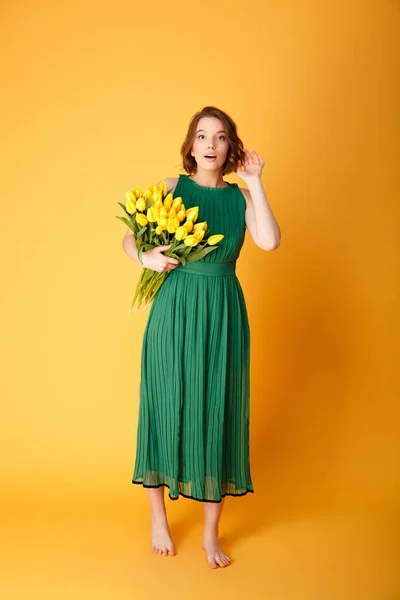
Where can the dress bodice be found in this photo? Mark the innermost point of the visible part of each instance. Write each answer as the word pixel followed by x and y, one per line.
pixel 224 210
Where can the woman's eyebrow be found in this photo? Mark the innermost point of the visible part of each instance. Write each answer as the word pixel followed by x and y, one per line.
pixel 220 131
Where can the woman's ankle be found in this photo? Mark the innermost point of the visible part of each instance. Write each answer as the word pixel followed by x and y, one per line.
pixel 210 532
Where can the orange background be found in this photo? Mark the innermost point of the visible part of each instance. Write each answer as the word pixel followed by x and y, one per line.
pixel 96 98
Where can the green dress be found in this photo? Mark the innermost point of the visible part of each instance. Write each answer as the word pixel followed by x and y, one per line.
pixel 193 425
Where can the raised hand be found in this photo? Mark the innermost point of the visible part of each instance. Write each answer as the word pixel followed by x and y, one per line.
pixel 252 166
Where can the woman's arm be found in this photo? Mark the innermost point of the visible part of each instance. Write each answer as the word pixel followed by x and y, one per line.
pixel 260 220
pixel 129 246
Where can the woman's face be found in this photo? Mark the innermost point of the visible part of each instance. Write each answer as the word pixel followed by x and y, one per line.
pixel 210 139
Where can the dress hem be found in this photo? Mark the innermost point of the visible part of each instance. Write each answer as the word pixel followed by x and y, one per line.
pixel 249 491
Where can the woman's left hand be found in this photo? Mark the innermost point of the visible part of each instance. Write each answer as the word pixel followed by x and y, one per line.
pixel 252 166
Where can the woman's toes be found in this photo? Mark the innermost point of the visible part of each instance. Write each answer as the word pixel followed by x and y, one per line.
pixel 224 560
pixel 219 560
pixel 212 563
pixel 163 550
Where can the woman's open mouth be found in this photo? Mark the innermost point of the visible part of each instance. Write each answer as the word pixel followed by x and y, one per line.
pixel 210 157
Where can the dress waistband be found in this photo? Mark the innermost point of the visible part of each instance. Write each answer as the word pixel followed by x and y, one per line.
pixel 208 268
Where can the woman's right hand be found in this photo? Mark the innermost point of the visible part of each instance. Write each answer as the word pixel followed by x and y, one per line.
pixel 155 260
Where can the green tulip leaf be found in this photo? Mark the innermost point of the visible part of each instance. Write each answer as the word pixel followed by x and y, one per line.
pixel 195 256
pixel 127 222
pixel 141 231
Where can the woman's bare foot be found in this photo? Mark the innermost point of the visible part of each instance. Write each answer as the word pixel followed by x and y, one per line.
pixel 215 555
pixel 161 540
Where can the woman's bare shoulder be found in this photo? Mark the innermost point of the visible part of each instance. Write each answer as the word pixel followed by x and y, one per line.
pixel 170 182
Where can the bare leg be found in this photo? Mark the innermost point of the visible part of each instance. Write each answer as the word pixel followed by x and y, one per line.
pixel 161 538
pixel 215 555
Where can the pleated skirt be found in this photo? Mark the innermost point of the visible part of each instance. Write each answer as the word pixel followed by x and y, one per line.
pixel 194 413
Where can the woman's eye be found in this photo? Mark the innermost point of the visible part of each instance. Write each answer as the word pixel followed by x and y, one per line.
pixel 201 135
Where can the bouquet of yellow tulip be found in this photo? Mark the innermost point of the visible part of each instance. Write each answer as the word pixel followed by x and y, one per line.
pixel 157 219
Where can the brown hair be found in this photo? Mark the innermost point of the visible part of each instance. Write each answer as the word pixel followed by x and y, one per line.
pixel 235 152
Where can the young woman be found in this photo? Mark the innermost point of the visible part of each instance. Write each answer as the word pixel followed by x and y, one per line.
pixel 193 427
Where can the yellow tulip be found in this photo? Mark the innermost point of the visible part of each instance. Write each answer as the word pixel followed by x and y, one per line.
pixel 171 226
pixel 158 204
pixel 177 203
pixel 148 193
pixel 163 212
pixel 159 230
pixel 191 240
pixel 176 222
pixel 199 234
pixel 141 219
pixel 130 207
pixel 130 195
pixel 181 215
pixel 168 202
pixel 156 196
pixel 151 215
pixel 172 212
pixel 141 204
pixel 189 225
pixel 202 225
pixel 162 186
pixel 162 221
pixel 181 233
pixel 138 192
pixel 214 239
pixel 192 213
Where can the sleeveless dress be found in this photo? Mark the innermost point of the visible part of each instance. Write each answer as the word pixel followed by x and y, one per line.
pixel 193 424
